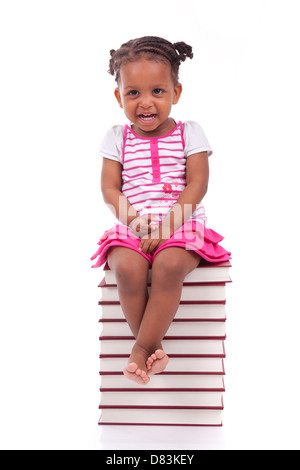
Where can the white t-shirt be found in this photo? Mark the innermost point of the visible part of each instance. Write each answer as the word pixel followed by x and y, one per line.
pixel 195 141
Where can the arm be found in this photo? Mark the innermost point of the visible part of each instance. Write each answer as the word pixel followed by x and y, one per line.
pixel 111 185
pixel 197 175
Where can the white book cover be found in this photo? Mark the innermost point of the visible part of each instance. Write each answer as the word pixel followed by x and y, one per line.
pixel 160 398
pixel 166 416
pixel 203 273
pixel 165 382
pixel 177 328
pixel 171 346
pixel 189 293
pixel 191 311
pixel 211 365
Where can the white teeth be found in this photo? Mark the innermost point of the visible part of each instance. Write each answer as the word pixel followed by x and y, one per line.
pixel 147 117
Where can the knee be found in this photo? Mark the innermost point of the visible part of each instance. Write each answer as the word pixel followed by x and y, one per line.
pixel 168 269
pixel 131 275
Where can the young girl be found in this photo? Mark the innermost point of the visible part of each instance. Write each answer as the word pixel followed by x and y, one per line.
pixel 154 177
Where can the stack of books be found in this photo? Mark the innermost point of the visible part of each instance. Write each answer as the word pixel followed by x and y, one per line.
pixel 190 391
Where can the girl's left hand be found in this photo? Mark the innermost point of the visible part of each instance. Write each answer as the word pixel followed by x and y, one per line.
pixel 152 241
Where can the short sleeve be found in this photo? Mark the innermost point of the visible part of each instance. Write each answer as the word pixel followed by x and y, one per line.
pixel 195 140
pixel 111 146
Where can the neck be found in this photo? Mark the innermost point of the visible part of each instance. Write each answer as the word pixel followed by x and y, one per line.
pixel 164 129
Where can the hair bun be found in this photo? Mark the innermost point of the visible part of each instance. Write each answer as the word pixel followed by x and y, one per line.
pixel 184 50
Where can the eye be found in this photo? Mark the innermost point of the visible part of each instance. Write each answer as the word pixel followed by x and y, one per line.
pixel 157 91
pixel 133 93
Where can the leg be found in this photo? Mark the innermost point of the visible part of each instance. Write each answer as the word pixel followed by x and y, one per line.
pixel 131 271
pixel 169 270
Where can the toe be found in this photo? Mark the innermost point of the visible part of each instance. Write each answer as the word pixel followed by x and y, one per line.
pixel 160 353
pixel 145 377
pixel 131 367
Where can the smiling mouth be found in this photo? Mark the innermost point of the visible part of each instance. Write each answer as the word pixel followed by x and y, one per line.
pixel 147 117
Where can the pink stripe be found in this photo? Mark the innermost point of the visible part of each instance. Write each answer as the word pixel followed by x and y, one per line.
pixel 139 150
pixel 143 192
pixel 173 158
pixel 167 207
pixel 169 150
pixel 132 138
pixel 155 161
pixel 135 167
pixel 181 134
pixel 134 187
pixel 150 166
pixel 156 213
pixel 134 145
pixel 123 150
pixel 135 176
pixel 173 177
pixel 154 199
pixel 151 192
pixel 167 172
pixel 173 164
pixel 170 141
pixel 178 126
pixel 150 184
pixel 138 159
pixel 143 157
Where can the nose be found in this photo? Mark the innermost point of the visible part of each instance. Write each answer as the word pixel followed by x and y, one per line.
pixel 146 101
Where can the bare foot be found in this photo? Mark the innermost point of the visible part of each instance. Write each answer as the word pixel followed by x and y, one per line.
pixel 136 367
pixel 157 362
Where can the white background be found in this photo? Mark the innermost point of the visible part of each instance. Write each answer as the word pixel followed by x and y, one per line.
pixel 56 102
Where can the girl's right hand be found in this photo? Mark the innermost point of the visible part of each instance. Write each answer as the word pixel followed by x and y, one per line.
pixel 143 225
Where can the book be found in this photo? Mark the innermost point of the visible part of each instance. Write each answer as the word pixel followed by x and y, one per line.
pixel 166 416
pixel 205 272
pixel 186 400
pixel 175 382
pixel 179 365
pixel 189 392
pixel 196 292
pixel 114 346
pixel 212 311
pixel 181 328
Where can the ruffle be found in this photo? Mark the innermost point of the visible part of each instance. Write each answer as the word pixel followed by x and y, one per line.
pixel 193 235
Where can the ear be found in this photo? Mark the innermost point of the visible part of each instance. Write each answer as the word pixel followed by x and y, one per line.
pixel 177 93
pixel 118 96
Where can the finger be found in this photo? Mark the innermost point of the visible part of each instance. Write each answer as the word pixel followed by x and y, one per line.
pixel 150 246
pixel 147 223
pixel 143 246
pixel 153 246
pixel 144 226
pixel 154 219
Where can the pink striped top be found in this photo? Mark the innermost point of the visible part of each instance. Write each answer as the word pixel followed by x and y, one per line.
pixel 154 168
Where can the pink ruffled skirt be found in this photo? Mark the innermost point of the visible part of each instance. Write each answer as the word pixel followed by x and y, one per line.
pixel 193 235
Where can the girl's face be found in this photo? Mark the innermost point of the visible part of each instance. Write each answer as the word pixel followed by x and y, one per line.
pixel 147 92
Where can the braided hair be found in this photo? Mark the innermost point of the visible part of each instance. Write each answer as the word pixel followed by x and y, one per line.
pixel 153 48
